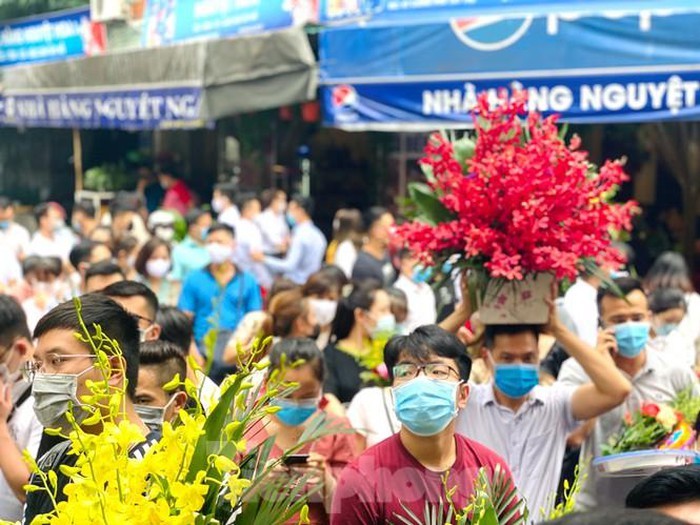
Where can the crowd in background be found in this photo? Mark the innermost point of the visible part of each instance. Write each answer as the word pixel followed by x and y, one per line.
pixel 208 281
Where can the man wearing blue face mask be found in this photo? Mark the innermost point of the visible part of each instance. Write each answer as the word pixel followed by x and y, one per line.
pixel 654 377
pixel 411 470
pixel 526 423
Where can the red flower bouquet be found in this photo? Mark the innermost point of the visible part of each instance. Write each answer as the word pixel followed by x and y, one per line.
pixel 516 200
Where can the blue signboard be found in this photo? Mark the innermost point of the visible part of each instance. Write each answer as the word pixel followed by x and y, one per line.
pixel 390 12
pixel 42 39
pixel 118 109
pixel 169 21
pixel 610 67
pixel 582 99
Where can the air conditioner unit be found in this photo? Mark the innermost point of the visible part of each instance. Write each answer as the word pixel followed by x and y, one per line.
pixel 108 10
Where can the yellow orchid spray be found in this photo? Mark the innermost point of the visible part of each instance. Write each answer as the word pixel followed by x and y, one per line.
pixel 200 472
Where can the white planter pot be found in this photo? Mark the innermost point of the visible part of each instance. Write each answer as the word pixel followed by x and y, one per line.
pixel 517 302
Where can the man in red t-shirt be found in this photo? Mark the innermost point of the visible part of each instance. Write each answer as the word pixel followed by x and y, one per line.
pixel 429 369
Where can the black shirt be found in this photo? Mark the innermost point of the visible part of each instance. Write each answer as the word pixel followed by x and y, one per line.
pixel 38 502
pixel 343 377
pixel 367 266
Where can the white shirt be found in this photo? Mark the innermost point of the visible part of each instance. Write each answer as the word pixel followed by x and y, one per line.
pixel 17 237
pixel 421 303
pixel 660 380
pixel 26 431
pixel 249 238
pixel 60 246
pixel 274 228
pixel 230 216
pixel 677 345
pixel 371 413
pixel 10 269
pixel 580 303
pixel 532 441
pixel 345 257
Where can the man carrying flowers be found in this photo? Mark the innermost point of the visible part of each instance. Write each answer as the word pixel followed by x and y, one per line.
pixel 655 377
pixel 527 424
pixel 77 370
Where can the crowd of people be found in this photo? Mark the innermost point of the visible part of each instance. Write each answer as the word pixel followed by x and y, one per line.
pixel 452 396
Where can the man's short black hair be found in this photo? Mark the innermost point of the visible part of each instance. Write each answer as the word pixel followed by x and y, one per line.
pixel 228 190
pixel 425 342
pixel 166 357
pixel 614 516
pixel 134 289
pixel 192 216
pixel 672 486
pixel 115 322
pixel 41 210
pixel 5 202
pixel 626 285
pixel 80 253
pixel 86 207
pixel 305 203
pixel 13 321
pixel 245 198
pixel 494 330
pixel 372 215
pixel 175 327
pixel 663 299
pixel 103 268
pixel 125 201
pixel 221 227
pixel 298 349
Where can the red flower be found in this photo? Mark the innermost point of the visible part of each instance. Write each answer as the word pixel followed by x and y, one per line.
pixel 526 202
pixel 650 410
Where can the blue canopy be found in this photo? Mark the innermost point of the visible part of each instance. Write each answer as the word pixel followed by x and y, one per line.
pixel 604 66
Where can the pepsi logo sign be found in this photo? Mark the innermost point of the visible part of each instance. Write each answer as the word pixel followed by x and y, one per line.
pixel 343 96
pixel 490 33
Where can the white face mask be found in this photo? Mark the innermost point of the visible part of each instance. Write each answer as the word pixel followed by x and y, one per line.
pixel 165 233
pixel 53 396
pixel 219 253
pixel 325 310
pixel 153 417
pixel 217 205
pixel 158 268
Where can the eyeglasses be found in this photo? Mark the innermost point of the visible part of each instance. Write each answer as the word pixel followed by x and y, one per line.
pixel 31 368
pixel 406 371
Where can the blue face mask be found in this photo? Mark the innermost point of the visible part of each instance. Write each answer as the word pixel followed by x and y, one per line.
pixel 421 274
pixel 516 380
pixel 294 413
pixel 426 406
pixel 631 338
pixel 291 220
pixel 665 329
pixel 4 225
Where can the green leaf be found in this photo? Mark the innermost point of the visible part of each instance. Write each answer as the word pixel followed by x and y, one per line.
pixel 432 210
pixel 464 150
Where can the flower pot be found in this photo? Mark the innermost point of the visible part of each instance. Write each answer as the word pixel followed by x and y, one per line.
pixel 517 302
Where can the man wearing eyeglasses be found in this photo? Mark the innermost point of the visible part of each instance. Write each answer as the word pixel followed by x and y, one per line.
pixel 404 473
pixel 60 372
pixel 19 428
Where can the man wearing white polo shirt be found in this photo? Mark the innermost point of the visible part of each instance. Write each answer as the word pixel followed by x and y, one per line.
pixel 527 424
pixel 654 377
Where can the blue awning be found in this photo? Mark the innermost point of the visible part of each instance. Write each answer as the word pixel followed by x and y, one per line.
pixel 606 66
